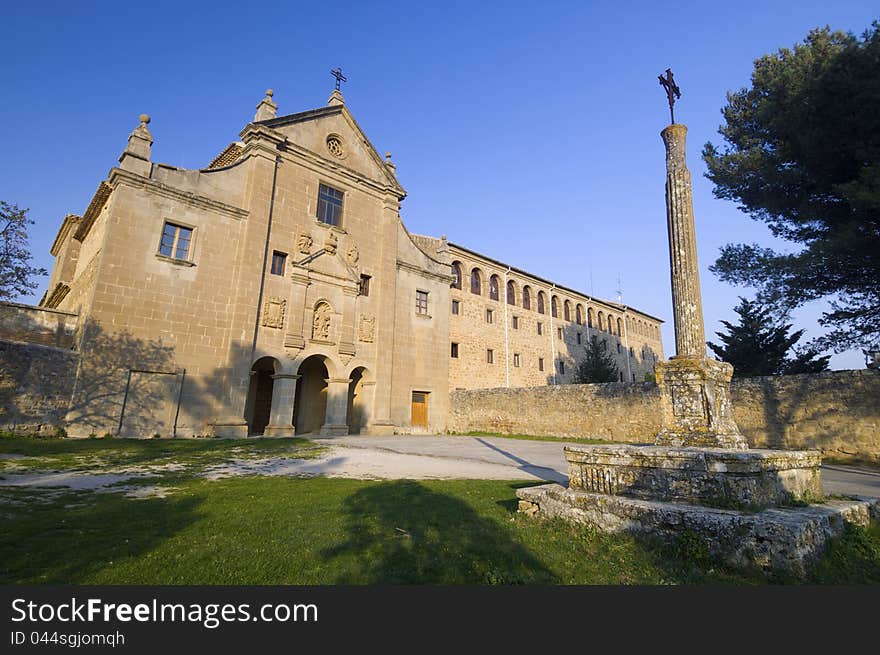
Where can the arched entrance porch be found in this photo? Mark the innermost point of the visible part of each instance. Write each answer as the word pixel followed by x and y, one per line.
pixel 258 407
pixel 360 400
pixel 310 405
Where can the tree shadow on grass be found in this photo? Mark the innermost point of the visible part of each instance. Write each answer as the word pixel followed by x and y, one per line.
pixel 402 532
pixel 79 537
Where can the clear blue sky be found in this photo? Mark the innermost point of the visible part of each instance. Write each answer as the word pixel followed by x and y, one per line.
pixel 526 131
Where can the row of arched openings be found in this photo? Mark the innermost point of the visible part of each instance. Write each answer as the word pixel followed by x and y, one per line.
pixel 599 320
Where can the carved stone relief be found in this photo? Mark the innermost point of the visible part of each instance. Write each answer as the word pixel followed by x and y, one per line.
pixel 352 256
pixel 303 244
pixel 273 312
pixel 366 328
pixel 321 322
pixel 331 243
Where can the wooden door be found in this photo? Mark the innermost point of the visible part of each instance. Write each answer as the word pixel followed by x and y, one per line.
pixel 419 409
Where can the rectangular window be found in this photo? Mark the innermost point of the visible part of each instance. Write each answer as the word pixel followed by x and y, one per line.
pixel 516 359
pixel 329 205
pixel 364 289
pixel 489 316
pixel 516 322
pixel 618 347
pixel 456 307
pixel 579 338
pixel 540 328
pixel 559 333
pixel 490 356
pixel 561 368
pixel 454 351
pixel 422 303
pixel 176 240
pixel 540 363
pixel 278 261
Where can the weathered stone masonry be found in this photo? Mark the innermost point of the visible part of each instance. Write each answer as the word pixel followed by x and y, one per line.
pixel 837 412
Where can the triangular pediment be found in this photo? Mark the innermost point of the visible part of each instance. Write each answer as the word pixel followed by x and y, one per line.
pixel 329 267
pixel 332 134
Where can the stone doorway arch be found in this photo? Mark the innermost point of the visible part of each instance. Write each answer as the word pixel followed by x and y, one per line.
pixel 258 407
pixel 310 405
pixel 360 400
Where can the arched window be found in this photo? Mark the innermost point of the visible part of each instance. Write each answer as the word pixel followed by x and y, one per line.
pixel 541 309
pixel 579 315
pixel 456 275
pixel 620 327
pixel 527 298
pixel 554 307
pixel 493 287
pixel 566 310
pixel 511 292
pixel 476 282
pixel 589 317
pixel 610 324
pixel 601 325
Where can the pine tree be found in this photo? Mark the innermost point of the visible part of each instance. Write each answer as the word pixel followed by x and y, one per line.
pixel 598 365
pixel 757 345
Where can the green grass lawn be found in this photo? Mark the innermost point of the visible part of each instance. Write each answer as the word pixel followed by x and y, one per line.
pixel 275 530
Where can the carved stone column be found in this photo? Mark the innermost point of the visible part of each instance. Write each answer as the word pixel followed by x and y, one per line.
pixel 281 414
pixel 694 389
pixel 687 302
pixel 335 420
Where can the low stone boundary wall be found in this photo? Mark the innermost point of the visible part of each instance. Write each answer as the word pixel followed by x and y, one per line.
pixel 29 324
pixel 837 412
pixel 36 383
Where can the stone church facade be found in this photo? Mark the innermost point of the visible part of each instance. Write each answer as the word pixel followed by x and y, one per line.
pixel 277 291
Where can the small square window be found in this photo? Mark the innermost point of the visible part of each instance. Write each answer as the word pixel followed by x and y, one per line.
pixel 454 350
pixel 516 322
pixel 490 356
pixel 176 240
pixel 489 316
pixel 278 261
pixel 364 289
pixel 540 328
pixel 456 307
pixel 540 363
pixel 422 303
pixel 329 205
pixel 516 359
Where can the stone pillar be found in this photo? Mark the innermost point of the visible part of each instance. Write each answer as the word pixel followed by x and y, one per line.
pixel 136 156
pixel 349 309
pixel 687 302
pixel 335 419
pixel 294 337
pixel 694 389
pixel 281 414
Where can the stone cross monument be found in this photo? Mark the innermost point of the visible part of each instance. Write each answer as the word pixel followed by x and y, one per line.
pixel 694 389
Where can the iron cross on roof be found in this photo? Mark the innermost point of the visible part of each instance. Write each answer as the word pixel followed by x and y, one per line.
pixel 672 91
pixel 340 78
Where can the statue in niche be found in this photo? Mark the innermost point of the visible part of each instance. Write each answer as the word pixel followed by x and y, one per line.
pixel 321 323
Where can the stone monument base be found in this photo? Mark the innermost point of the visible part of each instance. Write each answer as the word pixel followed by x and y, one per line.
pixel 695 402
pixel 707 476
pixel 784 538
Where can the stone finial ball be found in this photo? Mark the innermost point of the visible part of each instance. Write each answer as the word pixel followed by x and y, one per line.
pixel 144 118
pixel 270 92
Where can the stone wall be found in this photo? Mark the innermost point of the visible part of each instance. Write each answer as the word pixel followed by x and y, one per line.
pixel 36 383
pixel 49 327
pixel 837 412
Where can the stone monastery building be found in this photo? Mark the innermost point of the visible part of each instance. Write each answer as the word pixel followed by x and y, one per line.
pixel 277 291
